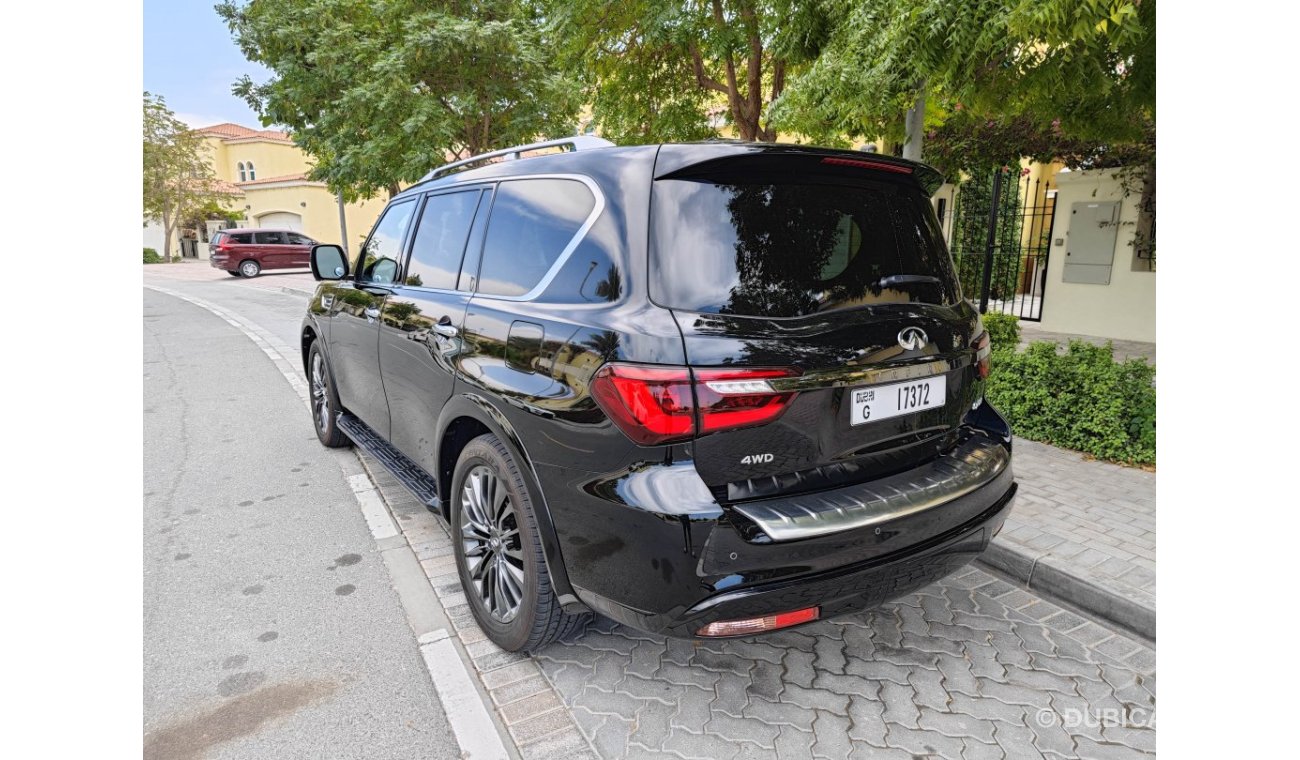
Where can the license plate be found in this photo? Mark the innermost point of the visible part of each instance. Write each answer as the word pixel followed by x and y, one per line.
pixel 881 402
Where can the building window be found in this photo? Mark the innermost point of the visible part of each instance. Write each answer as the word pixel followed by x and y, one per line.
pixel 252 175
pixel 242 178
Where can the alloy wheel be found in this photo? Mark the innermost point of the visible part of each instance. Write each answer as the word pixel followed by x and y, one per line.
pixel 489 530
pixel 320 398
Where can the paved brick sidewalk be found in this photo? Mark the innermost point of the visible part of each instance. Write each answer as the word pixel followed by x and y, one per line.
pixel 1084 531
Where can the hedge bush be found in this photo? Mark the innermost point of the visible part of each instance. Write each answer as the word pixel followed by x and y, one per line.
pixel 1004 329
pixel 151 256
pixel 1081 399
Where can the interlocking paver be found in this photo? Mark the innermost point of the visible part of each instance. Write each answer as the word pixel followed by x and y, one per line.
pixel 793 743
pixel 701 746
pixel 956 724
pixel 832 732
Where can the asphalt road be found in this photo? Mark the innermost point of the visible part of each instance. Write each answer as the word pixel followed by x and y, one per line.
pixel 271 625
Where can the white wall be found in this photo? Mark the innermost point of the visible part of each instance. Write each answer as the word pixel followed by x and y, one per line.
pixel 1126 308
pixel 153 237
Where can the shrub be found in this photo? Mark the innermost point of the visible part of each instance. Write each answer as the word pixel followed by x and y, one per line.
pixel 1081 399
pixel 151 256
pixel 1004 329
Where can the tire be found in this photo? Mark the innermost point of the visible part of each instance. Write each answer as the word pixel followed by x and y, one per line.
pixel 483 516
pixel 324 400
pixel 235 273
pixel 249 268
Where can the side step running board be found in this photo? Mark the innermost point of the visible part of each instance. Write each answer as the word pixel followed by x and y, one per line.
pixel 416 480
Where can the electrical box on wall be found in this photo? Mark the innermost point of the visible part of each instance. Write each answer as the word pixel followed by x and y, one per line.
pixel 1090 242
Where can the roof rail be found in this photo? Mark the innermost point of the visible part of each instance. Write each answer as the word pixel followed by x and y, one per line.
pixel 575 143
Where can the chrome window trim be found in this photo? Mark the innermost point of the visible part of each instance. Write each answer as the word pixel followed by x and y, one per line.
pixel 568 250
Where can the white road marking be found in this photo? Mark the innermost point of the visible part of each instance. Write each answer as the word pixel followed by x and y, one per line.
pixel 473 727
pixel 373 507
pixel 470 721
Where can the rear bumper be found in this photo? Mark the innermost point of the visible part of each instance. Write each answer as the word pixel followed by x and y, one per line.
pixel 841 591
pixel 223 262
pixel 726 570
pixel 856 587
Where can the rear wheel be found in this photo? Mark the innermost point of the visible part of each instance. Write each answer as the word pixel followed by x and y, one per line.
pixel 324 400
pixel 249 268
pixel 499 551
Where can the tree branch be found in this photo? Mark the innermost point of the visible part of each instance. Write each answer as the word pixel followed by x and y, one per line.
pixel 701 77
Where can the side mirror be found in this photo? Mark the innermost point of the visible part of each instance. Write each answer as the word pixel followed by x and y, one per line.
pixel 328 262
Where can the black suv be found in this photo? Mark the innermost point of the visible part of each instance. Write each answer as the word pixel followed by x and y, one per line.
pixel 704 389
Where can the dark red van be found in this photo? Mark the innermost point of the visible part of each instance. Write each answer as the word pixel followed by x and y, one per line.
pixel 245 252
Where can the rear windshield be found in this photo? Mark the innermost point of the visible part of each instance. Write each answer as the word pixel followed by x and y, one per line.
pixel 786 250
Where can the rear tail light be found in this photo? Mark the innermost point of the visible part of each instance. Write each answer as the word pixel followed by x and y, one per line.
pixel 983 351
pixel 746 626
pixel 655 405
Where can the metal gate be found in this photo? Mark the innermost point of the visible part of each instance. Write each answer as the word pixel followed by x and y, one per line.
pixel 1000 239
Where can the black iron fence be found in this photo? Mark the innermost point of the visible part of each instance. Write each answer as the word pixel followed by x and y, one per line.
pixel 1001 236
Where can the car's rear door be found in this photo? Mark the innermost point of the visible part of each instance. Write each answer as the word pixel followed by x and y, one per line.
pixel 419 334
pixel 836 279
pixel 272 248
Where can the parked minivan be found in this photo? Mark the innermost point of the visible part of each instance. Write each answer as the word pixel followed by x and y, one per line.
pixel 702 389
pixel 246 252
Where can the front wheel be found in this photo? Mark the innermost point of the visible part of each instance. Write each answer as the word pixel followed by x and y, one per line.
pixel 249 268
pixel 324 400
pixel 499 551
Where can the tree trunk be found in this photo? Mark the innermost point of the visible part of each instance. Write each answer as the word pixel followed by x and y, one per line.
pixel 1144 241
pixel 915 125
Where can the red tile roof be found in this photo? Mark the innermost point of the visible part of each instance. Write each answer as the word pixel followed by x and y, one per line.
pixel 229 131
pixel 222 186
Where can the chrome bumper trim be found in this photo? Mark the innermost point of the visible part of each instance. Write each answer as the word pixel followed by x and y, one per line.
pixel 971 465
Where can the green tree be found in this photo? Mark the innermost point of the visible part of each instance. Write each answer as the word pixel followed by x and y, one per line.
pixel 1088 67
pixel 381 91
pixel 178 177
pixel 653 69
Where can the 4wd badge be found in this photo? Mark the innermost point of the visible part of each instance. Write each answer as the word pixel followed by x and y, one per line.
pixel 757 459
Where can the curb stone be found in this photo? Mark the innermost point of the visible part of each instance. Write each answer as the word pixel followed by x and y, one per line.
pixel 1043 575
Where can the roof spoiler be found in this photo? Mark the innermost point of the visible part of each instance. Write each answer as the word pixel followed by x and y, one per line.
pixel 689 159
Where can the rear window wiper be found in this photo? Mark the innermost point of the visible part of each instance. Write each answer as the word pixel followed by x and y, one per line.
pixel 894 280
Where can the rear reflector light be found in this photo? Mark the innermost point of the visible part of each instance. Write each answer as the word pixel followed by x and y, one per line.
pixel 656 405
pixel 881 165
pixel 746 626
pixel 983 350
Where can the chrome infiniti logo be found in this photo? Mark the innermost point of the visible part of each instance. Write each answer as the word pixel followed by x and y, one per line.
pixel 912 338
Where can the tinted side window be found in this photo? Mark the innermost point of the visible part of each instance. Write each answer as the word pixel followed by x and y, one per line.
pixel 296 239
pixel 243 237
pixel 532 222
pixel 270 238
pixel 440 240
pixel 378 259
